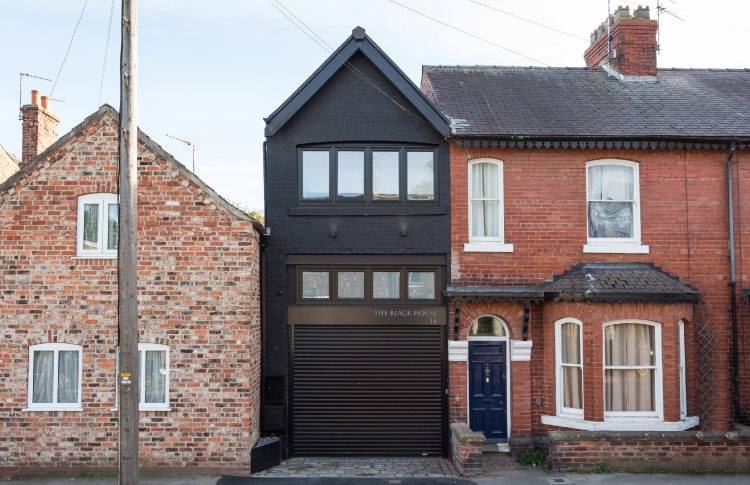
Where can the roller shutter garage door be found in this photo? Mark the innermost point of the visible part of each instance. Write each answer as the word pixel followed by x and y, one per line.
pixel 367 391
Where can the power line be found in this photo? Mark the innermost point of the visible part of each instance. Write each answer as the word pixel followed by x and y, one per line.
pixel 343 61
pixel 469 34
pixel 531 21
pixel 711 21
pixel 106 48
pixel 69 45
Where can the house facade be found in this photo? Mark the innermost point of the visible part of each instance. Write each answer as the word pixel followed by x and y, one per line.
pixel 596 268
pixel 357 262
pixel 199 307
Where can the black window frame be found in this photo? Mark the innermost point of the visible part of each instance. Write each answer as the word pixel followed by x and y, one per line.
pixel 367 200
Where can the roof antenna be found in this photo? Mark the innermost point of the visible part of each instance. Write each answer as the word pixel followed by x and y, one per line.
pixel 20 92
pixel 192 144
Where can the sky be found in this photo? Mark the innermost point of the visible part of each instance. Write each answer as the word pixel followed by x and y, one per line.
pixel 213 69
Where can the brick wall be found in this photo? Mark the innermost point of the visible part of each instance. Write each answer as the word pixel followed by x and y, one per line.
pixel 634 45
pixel 683 206
pixel 466 450
pixel 198 294
pixel 634 450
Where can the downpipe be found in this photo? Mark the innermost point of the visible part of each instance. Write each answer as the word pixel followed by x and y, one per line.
pixel 733 286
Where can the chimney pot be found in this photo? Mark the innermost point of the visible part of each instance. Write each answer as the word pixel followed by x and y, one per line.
pixel 45 102
pixel 35 97
pixel 622 13
pixel 642 13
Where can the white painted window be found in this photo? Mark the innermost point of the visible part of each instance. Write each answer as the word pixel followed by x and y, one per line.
pixel 55 377
pixel 486 208
pixel 683 382
pixel 98 226
pixel 569 365
pixel 613 207
pixel 632 370
pixel 153 369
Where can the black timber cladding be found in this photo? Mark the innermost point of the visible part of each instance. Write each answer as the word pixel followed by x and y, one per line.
pixel 345 109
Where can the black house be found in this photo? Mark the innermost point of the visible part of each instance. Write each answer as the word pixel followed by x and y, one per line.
pixel 357 201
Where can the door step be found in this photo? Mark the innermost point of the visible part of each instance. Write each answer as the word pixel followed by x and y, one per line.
pixel 496 448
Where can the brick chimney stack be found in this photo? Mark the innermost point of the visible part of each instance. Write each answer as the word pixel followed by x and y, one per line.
pixel 39 127
pixel 632 40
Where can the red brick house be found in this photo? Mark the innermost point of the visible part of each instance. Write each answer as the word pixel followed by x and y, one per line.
pixel 199 299
pixel 592 246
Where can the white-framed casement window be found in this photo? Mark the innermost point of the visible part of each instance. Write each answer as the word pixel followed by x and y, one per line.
pixel 486 211
pixel 98 226
pixel 153 369
pixel 613 214
pixel 683 382
pixel 632 370
pixel 569 360
pixel 55 377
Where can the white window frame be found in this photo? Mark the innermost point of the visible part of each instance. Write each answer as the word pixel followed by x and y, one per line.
pixel 483 243
pixel 104 200
pixel 490 338
pixel 561 409
pixel 658 412
pixel 683 382
pixel 144 406
pixel 54 406
pixel 617 245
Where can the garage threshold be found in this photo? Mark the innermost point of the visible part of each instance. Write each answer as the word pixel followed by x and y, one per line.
pixel 362 467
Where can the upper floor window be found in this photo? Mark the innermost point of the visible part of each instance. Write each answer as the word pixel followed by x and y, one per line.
pixel 569 357
pixel 54 377
pixel 98 226
pixel 369 175
pixel 632 370
pixel 486 212
pixel 612 207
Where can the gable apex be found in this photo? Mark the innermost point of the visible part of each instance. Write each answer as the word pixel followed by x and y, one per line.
pixel 359 41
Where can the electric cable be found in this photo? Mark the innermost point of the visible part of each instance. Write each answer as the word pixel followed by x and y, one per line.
pixel 469 34
pixel 106 48
pixel 69 46
pixel 710 21
pixel 530 21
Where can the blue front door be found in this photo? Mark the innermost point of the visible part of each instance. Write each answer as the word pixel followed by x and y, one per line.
pixel 488 403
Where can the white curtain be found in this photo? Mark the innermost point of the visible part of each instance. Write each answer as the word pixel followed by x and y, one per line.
pixel 156 374
pixel 485 214
pixel 572 374
pixel 43 376
pixel 67 376
pixel 632 345
pixel 611 219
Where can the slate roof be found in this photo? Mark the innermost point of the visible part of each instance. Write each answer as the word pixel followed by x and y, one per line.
pixel 569 103
pixel 637 282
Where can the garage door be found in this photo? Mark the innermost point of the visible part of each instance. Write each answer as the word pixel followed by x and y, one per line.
pixel 367 391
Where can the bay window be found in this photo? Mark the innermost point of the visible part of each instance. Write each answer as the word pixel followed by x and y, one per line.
pixel 569 358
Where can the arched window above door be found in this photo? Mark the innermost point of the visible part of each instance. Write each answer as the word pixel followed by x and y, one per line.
pixel 487 326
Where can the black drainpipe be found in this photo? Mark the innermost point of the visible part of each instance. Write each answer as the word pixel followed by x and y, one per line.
pixel 263 244
pixel 733 286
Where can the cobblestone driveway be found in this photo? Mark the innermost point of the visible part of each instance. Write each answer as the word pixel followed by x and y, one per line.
pixel 362 467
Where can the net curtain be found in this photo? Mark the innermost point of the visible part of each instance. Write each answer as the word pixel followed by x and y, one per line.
pixel 611 183
pixel 485 203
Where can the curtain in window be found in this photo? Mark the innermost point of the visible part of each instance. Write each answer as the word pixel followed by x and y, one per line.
pixel 67 376
pixel 631 345
pixel 570 337
pixel 43 376
pixel 90 226
pixel 156 375
pixel 611 219
pixel 485 214
pixel 113 229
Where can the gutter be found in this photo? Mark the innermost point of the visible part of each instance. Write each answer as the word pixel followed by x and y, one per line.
pixel 733 286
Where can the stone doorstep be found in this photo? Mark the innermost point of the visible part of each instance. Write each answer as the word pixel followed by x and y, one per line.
pixel 501 448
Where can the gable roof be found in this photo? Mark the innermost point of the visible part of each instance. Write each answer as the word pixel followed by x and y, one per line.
pixel 357 42
pixel 147 142
pixel 12 157
pixel 586 103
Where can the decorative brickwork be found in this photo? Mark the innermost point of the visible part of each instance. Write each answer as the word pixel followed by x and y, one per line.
pixel 198 293
pixel 466 450
pixel 688 450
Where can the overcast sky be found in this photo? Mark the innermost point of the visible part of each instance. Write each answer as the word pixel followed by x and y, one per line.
pixel 214 68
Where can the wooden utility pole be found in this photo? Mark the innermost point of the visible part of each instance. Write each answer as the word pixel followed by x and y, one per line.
pixel 127 264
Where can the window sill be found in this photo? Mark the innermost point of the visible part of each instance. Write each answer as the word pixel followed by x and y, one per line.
pixel 98 256
pixel 51 408
pixel 488 247
pixel 145 409
pixel 622 424
pixel 406 210
pixel 615 248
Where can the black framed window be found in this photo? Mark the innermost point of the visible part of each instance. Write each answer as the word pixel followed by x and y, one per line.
pixel 316 285
pixel 368 175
